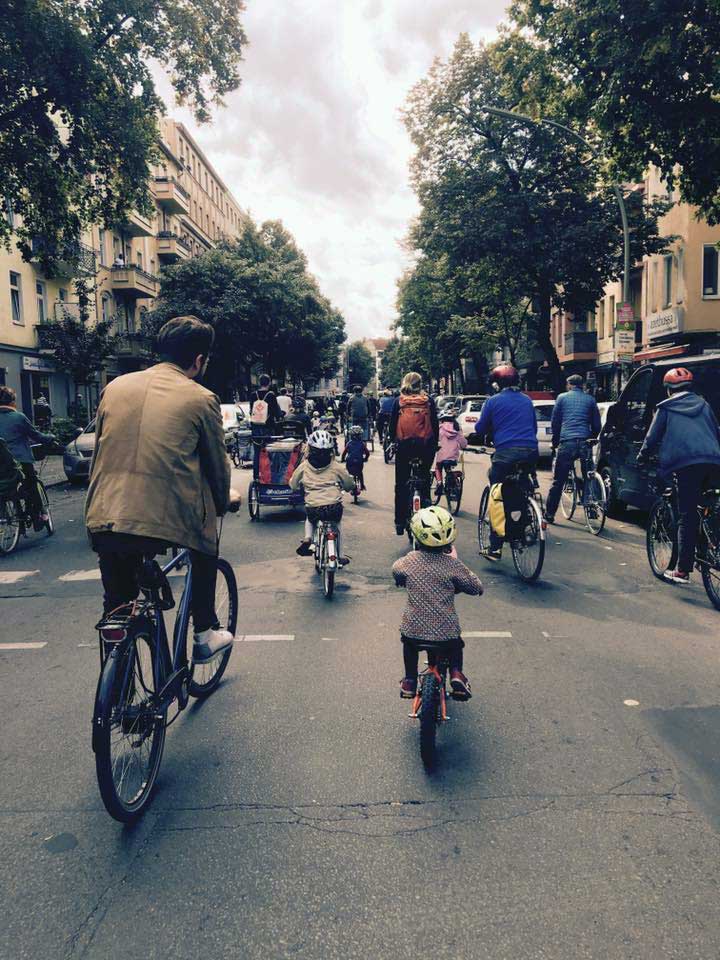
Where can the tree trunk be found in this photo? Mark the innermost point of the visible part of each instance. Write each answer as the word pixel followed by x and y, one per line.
pixel 545 342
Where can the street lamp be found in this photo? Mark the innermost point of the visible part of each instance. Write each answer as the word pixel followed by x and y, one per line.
pixel 530 121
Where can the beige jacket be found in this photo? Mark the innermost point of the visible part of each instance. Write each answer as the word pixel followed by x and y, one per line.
pixel 160 468
pixel 322 487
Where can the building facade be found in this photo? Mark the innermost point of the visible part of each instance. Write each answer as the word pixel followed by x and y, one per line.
pixel 192 211
pixel 376 346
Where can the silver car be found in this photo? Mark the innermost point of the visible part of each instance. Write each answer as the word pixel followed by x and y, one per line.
pixel 77 455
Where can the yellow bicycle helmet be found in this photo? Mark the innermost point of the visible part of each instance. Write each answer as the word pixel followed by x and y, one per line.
pixel 433 527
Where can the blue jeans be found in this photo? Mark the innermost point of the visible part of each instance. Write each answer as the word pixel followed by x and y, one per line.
pixel 567 453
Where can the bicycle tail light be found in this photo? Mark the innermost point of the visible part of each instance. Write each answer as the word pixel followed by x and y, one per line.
pixel 416 503
pixel 113 634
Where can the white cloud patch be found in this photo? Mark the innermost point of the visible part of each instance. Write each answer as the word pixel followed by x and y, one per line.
pixel 314 137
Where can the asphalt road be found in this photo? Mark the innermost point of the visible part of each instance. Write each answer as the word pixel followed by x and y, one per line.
pixel 574 812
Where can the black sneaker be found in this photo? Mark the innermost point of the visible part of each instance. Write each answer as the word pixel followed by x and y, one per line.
pixel 304 550
pixel 399 529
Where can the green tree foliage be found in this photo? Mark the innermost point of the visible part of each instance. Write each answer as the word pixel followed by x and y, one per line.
pixel 361 365
pixel 80 347
pixel 400 357
pixel 78 107
pixel 265 306
pixel 646 77
pixel 514 215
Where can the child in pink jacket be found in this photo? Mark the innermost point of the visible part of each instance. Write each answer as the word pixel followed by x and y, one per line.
pixel 450 442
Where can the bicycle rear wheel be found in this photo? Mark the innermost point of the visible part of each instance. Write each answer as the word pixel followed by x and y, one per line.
pixel 484 522
pixel 128 730
pixel 429 707
pixel 528 553
pixel 661 538
pixel 568 497
pixel 49 523
pixel 455 493
pixel 9 526
pixel 235 454
pixel 206 676
pixel 595 503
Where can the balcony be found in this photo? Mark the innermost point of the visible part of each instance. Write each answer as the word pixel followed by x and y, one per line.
pixel 170 195
pixel 133 346
pixel 134 282
pixel 45 344
pixel 74 259
pixel 171 248
pixel 137 225
pixel 581 345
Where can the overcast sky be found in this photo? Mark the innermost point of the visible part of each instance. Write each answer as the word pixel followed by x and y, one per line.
pixel 314 138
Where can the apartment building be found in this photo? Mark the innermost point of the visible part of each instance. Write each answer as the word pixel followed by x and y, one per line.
pixel 376 346
pixel 675 298
pixel 192 211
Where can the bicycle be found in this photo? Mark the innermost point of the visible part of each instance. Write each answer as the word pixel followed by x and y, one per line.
pixel 528 549
pixel 588 489
pixel 661 538
pixel 324 546
pixel 16 518
pixel 417 483
pixel 141 677
pixel 357 489
pixel 239 452
pixel 389 448
pixel 430 703
pixel 451 485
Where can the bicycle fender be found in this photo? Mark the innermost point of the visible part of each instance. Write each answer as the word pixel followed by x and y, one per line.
pixel 105 684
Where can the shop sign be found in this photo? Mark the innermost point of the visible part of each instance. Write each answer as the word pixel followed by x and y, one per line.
pixel 625 313
pixel 664 323
pixel 607 356
pixel 625 339
pixel 37 365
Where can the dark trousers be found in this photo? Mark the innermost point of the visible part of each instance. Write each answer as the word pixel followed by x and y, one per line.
pixel 567 453
pixel 260 433
pixel 503 463
pixel 30 490
pixel 408 450
pixel 381 422
pixel 411 655
pixel 120 567
pixel 691 482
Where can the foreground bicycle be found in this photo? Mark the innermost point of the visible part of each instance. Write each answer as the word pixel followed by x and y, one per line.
pixel 430 703
pixel 142 676
pixel 324 546
pixel 662 538
pixel 587 489
pixel 528 549
pixel 16 519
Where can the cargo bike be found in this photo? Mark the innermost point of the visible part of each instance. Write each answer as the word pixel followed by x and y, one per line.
pixel 277 457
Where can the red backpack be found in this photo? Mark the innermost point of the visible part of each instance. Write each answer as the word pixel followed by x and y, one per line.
pixel 414 419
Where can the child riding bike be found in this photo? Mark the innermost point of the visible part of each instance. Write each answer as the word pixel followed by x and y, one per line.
pixel 432 575
pixel 323 480
pixel 356 454
pixel 450 442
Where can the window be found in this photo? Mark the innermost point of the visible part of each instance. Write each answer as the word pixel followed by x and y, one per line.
pixel 654 288
pixel 600 319
pixel 105 306
pixel 680 291
pixel 40 295
pixel 9 214
pixel 667 285
pixel 710 270
pixel 635 412
pixel 610 317
pixel 62 295
pixel 544 412
pixel 139 257
pixel 16 298
pixel 101 244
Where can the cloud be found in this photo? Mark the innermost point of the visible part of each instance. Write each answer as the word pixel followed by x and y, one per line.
pixel 314 137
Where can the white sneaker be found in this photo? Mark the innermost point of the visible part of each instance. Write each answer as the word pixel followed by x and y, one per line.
pixel 674 576
pixel 210 643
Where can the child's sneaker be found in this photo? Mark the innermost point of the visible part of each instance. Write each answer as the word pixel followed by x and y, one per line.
pixel 460 685
pixel 408 688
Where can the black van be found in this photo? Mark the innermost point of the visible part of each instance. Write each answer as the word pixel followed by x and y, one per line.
pixel 628 421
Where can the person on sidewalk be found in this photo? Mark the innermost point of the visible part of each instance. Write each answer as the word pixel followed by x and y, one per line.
pixel 509 419
pixel 160 476
pixel 19 433
pixel 575 420
pixel 685 431
pixel 414 428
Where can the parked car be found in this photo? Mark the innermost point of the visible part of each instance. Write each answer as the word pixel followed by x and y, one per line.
pixel 629 418
pixel 445 400
pixel 469 415
pixel 77 455
pixel 543 413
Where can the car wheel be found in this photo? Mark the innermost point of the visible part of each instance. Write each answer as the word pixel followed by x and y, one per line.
pixel 615 506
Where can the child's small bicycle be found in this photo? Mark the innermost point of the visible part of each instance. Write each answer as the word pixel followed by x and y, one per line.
pixel 324 547
pixel 430 703
pixel 357 489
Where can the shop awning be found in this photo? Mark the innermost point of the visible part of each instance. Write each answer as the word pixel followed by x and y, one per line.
pixel 658 353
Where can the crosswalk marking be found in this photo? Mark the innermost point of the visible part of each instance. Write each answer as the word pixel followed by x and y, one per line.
pixel 500 634
pixel 77 576
pixel 22 646
pixel 260 637
pixel 14 576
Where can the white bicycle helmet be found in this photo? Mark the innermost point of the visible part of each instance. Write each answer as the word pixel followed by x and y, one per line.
pixel 321 440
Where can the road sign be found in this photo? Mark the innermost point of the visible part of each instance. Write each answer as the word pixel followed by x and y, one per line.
pixel 625 313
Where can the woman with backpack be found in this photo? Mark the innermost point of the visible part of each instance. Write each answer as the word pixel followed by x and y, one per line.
pixel 414 428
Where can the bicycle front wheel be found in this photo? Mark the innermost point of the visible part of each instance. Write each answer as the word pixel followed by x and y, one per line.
pixel 528 552
pixel 484 522
pixel 568 497
pixel 9 526
pixel 661 538
pixel 206 676
pixel 128 730
pixel 595 503
pixel 429 707
pixel 49 523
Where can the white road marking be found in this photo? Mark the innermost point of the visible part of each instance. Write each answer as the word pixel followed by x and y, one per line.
pixel 77 576
pixel 609 548
pixel 487 633
pixel 554 636
pixel 260 637
pixel 22 646
pixel 13 576
pixel 631 703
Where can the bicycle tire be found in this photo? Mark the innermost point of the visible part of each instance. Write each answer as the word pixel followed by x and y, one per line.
pixel 9 526
pixel 328 575
pixel 661 538
pixel 595 505
pixel 457 497
pixel 484 522
pixel 235 455
pixel 118 681
pixel 49 523
pixel 429 706
pixel 711 582
pixel 531 571
pixel 205 677
pixel 254 500
pixel 437 496
pixel 568 497
pixel 388 453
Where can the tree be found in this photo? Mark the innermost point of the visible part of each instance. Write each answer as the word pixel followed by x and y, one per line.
pixel 78 107
pixel 524 203
pixel 646 77
pixel 361 366
pixel 400 357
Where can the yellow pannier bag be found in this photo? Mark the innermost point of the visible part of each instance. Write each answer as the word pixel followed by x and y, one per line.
pixel 496 509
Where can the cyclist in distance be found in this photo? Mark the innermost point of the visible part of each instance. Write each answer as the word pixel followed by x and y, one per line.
pixel 384 411
pixel 18 433
pixel 685 432
pixel 509 419
pixel 160 476
pixel 356 454
pixel 451 442
pixel 575 420
pixel 414 428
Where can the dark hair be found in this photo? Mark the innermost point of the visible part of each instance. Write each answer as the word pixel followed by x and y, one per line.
pixel 7 396
pixel 264 380
pixel 575 380
pixel 358 388
pixel 182 339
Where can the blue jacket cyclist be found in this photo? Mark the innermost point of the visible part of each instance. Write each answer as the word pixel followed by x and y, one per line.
pixel 19 435
pixel 575 420
pixel 509 418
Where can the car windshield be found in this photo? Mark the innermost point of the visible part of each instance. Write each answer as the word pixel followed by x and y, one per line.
pixel 544 412
pixel 475 406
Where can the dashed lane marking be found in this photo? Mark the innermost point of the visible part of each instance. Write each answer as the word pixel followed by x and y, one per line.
pixel 490 634
pixel 22 646
pixel 13 576
pixel 261 637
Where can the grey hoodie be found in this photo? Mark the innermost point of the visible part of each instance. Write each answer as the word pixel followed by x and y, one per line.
pixel 686 431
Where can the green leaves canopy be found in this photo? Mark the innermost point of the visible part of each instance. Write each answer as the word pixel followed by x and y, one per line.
pixel 361 365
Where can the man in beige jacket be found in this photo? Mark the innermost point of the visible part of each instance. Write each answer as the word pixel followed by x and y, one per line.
pixel 160 476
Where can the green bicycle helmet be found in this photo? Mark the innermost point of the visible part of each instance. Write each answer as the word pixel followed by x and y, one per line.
pixel 433 527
